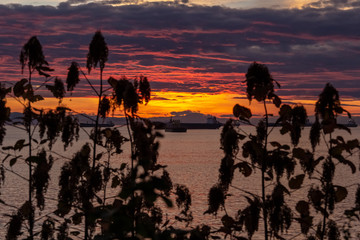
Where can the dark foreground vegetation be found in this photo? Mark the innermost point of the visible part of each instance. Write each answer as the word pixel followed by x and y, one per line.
pixel 143 185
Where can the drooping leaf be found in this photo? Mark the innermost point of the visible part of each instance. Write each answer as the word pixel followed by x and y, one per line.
pixel 104 108
pixel 296 182
pixel 58 89
pixel 73 76
pixel 216 199
pixel 315 134
pixel 145 90
pixel 48 229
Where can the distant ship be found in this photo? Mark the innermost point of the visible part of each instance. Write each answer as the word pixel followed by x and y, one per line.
pixel 351 123
pixel 110 124
pixel 211 123
pixel 175 126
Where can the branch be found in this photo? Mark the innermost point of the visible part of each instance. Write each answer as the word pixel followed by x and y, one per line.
pixel 242 190
pixel 17 174
pixel 41 85
pixel 89 82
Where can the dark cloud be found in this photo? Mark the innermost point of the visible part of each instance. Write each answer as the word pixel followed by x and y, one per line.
pixel 194 48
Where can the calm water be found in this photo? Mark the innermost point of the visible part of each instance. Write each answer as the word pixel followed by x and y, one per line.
pixel 193 159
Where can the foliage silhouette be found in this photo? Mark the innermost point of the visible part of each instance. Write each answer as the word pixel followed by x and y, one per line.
pixel 85 179
pixel 277 163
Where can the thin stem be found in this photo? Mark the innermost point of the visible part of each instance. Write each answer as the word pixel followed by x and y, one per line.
pixel 105 184
pixel 90 82
pixel 97 120
pixel 132 172
pixel 31 214
pixel 46 81
pixel 263 173
pixel 96 132
pixel 17 174
pixel 326 197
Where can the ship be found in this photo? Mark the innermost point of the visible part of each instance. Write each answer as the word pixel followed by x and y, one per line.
pixel 211 123
pixel 175 126
pixel 351 123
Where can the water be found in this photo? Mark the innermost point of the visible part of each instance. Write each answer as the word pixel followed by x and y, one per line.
pixel 193 159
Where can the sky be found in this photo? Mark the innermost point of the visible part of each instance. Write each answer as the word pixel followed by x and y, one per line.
pixel 195 53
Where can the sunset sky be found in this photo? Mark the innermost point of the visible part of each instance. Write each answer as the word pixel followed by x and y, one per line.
pixel 195 53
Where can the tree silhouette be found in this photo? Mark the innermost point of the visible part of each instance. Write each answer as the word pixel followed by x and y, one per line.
pixel 273 159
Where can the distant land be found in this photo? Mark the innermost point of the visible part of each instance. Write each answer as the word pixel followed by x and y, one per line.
pixel 184 117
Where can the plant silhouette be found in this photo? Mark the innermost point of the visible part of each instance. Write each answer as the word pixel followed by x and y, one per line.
pixel 85 178
pixel 277 163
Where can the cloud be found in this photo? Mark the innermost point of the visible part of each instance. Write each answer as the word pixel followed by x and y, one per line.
pixel 340 4
pixel 192 48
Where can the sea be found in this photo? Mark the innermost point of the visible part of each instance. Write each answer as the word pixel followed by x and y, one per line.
pixel 192 159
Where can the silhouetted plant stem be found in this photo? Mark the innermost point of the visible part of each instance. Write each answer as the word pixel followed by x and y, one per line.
pixel 106 181
pixel 96 133
pixel 97 119
pixel 263 172
pixel 31 215
pixel 92 87
pixel 326 199
pixel 132 174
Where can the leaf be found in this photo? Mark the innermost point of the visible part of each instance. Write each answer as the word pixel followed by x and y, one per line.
pixel 227 221
pixel 35 98
pixel 244 168
pixel 115 182
pixel 19 87
pixel 315 196
pixel 295 182
pixel 303 207
pixel 276 100
pixel 98 156
pixel 299 153
pixel 58 89
pixel 75 233
pixel 275 144
pixel 242 112
pixel 19 144
pixel 122 166
pixel 113 82
pixel 77 218
pixel 340 193
pixel 7 148
pixel 13 161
